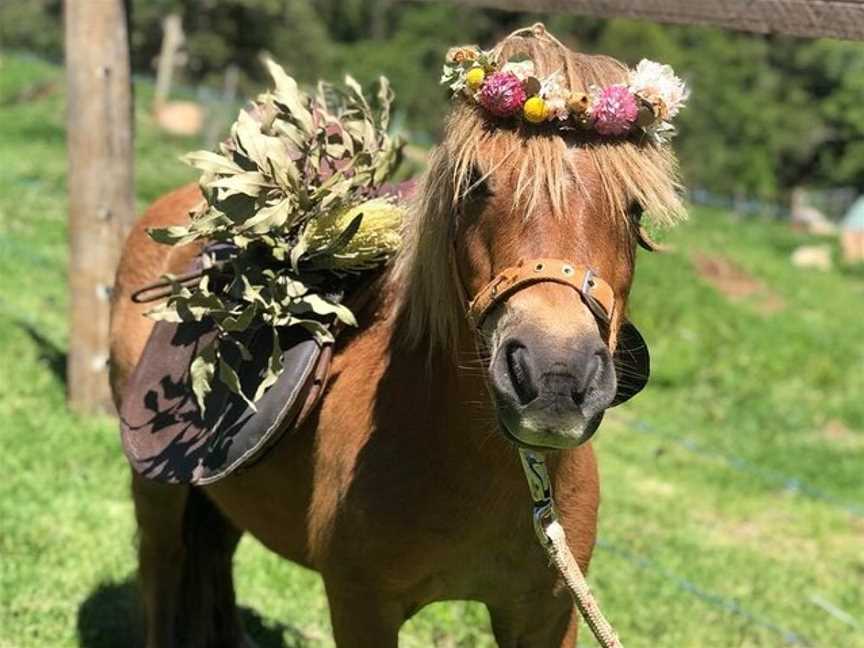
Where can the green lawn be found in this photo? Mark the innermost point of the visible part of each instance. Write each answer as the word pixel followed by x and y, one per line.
pixel 733 505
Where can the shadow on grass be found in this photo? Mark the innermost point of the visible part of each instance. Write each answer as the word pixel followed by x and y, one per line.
pixel 49 353
pixel 111 617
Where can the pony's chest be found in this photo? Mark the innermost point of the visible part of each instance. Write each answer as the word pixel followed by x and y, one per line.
pixel 414 524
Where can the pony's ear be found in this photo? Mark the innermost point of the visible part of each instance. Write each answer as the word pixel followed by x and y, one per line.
pixel 632 363
pixel 634 213
pixel 646 242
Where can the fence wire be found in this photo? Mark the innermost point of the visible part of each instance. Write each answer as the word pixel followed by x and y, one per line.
pixel 712 599
pixel 790 483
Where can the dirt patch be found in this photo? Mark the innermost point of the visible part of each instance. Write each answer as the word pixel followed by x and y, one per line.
pixel 836 433
pixel 736 283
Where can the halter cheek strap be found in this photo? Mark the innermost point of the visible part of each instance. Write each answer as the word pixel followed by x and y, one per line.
pixel 596 293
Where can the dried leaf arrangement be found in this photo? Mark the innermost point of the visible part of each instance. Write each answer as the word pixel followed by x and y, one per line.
pixel 293 195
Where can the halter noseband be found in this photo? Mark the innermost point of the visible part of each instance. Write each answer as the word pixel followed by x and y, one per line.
pixel 596 293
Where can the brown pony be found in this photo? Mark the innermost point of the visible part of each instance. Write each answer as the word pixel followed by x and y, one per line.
pixel 404 487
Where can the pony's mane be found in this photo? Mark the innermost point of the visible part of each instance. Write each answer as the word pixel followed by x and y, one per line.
pixel 546 172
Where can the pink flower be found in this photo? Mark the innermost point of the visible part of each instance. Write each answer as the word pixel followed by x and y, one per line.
pixel 614 110
pixel 502 94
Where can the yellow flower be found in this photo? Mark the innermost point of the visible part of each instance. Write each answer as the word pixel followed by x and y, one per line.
pixel 535 110
pixel 474 78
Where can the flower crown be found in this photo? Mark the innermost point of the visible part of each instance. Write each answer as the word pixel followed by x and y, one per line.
pixel 648 102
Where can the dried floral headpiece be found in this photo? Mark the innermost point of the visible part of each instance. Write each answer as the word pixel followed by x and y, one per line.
pixel 648 102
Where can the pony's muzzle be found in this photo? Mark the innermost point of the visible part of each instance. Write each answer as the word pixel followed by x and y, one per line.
pixel 551 392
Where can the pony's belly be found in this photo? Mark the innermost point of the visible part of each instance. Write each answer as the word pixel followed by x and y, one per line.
pixel 271 500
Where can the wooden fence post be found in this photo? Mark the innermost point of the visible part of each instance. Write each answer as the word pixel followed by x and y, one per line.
pixel 101 196
pixel 172 41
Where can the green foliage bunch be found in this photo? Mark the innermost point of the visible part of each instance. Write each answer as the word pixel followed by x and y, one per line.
pixel 292 194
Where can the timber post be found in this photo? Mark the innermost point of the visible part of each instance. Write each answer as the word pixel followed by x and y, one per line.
pixel 101 195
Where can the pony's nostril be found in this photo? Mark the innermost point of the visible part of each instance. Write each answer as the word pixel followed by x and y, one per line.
pixel 592 371
pixel 520 372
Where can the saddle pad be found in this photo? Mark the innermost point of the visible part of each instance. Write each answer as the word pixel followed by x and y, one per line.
pixel 164 434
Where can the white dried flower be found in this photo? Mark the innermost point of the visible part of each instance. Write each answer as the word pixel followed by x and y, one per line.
pixel 555 93
pixel 652 81
pixel 522 69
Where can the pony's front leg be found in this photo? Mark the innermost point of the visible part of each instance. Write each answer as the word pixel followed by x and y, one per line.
pixel 550 622
pixel 361 619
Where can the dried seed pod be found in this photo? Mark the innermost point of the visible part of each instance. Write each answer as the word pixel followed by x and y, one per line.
pixel 462 54
pixel 578 103
pixel 646 116
pixel 531 85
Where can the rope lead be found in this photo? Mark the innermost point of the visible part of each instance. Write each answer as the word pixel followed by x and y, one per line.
pixel 551 535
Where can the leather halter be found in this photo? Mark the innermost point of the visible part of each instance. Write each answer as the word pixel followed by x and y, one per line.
pixel 596 293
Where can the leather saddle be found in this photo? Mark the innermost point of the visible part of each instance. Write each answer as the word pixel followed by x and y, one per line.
pixel 167 438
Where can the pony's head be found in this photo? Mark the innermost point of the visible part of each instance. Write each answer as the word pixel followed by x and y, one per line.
pixel 512 216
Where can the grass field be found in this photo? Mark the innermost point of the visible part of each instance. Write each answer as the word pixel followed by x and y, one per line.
pixel 733 498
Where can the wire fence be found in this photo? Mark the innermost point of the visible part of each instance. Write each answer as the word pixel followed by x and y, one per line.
pixel 792 484
pixel 832 203
pixel 712 599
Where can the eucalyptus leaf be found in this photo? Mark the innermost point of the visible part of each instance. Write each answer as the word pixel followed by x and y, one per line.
pixel 321 306
pixel 174 235
pixel 321 333
pixel 288 94
pixel 211 162
pixel 385 100
pixel 164 312
pixel 240 322
pixel 273 369
pixel 270 217
pixel 250 183
pixel 201 373
pixel 228 376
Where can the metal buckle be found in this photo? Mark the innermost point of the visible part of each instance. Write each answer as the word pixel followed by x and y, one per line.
pixel 543 515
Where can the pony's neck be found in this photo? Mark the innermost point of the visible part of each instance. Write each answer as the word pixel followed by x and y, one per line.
pixel 449 386
pixel 473 422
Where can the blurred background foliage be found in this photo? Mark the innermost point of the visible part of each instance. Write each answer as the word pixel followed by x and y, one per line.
pixel 768 113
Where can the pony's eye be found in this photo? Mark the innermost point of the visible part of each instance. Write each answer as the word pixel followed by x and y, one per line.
pixel 482 189
pixel 479 185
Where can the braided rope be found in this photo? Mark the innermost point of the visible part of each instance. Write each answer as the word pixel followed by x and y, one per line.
pixel 564 561
pixel 551 535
